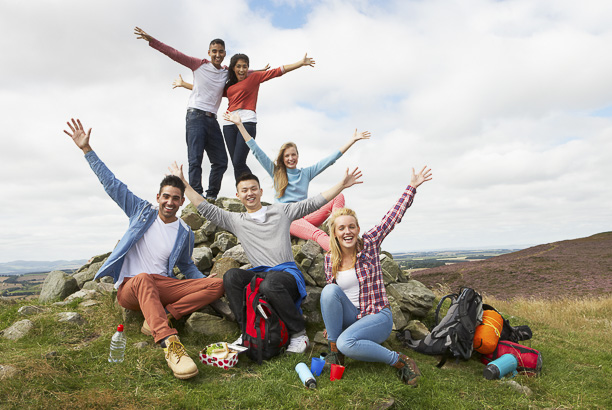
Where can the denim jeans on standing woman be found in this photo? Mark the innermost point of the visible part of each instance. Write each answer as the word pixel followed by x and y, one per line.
pixel 204 134
pixel 357 339
pixel 237 148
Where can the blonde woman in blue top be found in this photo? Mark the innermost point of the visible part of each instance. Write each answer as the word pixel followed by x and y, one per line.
pixel 291 183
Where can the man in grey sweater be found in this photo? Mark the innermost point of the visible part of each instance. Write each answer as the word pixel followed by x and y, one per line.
pixel 264 234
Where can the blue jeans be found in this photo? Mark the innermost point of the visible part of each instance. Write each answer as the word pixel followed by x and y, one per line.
pixel 237 148
pixel 357 339
pixel 204 134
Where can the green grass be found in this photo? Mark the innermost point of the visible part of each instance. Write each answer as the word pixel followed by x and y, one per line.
pixel 576 373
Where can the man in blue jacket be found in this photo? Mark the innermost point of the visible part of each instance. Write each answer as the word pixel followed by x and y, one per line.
pixel 141 265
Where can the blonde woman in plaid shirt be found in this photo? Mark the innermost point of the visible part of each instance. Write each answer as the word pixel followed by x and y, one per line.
pixel 354 304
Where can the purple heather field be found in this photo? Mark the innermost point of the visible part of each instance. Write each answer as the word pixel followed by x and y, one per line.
pixel 572 268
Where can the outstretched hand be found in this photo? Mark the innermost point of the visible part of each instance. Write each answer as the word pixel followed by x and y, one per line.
pixel 178 82
pixel 80 138
pixel 308 61
pixel 418 179
pixel 177 171
pixel 365 135
pixel 141 34
pixel 352 178
pixel 232 117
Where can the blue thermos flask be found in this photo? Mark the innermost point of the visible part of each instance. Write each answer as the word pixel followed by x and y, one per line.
pixel 500 367
pixel 306 376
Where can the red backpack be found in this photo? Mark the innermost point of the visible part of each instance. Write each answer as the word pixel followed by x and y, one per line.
pixel 264 333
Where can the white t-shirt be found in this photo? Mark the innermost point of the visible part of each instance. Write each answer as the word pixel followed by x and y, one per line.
pixel 151 253
pixel 259 216
pixel 348 282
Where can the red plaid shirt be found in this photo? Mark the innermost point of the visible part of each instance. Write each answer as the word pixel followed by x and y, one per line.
pixel 372 293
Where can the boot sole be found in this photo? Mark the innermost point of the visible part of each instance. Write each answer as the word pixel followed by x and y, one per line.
pixel 186 376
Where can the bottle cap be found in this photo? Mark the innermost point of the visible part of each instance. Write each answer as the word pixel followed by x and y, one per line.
pixel 311 383
pixel 120 328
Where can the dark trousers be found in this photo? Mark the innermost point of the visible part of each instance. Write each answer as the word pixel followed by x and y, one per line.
pixel 237 148
pixel 204 134
pixel 280 288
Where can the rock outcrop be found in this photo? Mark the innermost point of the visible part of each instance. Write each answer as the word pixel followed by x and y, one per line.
pixel 216 251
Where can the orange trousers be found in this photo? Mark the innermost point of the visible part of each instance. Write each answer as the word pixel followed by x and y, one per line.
pixel 154 294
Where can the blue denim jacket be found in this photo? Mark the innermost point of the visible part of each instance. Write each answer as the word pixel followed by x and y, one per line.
pixel 142 214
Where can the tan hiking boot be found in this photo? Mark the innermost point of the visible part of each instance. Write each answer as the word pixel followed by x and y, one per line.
pixel 407 370
pixel 178 360
pixel 145 329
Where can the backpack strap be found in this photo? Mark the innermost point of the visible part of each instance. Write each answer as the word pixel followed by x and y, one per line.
pixel 452 296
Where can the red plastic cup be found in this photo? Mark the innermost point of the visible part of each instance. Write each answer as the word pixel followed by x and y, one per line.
pixel 336 372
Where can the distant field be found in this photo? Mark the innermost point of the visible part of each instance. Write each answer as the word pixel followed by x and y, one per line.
pixel 413 261
pixel 22 286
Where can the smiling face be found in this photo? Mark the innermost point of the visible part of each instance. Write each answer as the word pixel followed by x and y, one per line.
pixel 290 157
pixel 216 52
pixel 249 193
pixel 241 69
pixel 346 231
pixel 170 199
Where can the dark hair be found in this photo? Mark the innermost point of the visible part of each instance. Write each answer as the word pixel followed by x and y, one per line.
pixel 247 176
pixel 217 41
pixel 174 181
pixel 232 79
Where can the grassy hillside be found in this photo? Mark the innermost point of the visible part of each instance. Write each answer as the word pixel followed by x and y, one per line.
pixel 572 268
pixel 573 336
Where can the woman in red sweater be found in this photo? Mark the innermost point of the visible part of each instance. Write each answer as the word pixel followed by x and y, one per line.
pixel 241 90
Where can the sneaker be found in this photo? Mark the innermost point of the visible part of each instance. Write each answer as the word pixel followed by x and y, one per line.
pixel 407 370
pixel 211 200
pixel 178 360
pixel 298 344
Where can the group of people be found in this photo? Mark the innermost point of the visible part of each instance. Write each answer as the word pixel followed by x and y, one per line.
pixel 354 304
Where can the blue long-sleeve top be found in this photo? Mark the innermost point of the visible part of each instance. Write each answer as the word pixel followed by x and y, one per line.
pixel 299 178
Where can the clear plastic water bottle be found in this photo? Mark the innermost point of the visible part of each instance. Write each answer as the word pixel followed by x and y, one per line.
pixel 117 346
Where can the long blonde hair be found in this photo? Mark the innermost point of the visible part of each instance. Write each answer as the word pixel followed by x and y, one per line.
pixel 334 246
pixel 280 170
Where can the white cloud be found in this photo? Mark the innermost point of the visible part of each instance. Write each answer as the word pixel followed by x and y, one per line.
pixel 495 96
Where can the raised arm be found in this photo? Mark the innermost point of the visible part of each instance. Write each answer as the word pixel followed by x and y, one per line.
pixel 191 194
pixel 117 190
pixel 301 63
pixel 394 216
pixel 356 137
pixel 180 83
pixel 190 62
pixel 347 181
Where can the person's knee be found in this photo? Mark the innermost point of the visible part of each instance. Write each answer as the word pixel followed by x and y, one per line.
pixel 268 286
pixel 330 291
pixel 230 277
pixel 345 343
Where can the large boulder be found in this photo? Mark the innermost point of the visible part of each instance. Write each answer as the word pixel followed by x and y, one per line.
pixel 223 265
pixel 223 241
pixel 417 329
pixel 17 330
pixel 311 305
pixel 399 320
pixel 88 274
pixel 230 204
pixel 391 271
pixel 317 270
pixel 193 220
pixel 202 257
pixel 57 285
pixel 210 325
pixel 308 251
pixel 82 294
pixel 413 297
pixel 238 254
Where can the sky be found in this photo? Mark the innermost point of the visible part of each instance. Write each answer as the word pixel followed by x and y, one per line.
pixel 509 103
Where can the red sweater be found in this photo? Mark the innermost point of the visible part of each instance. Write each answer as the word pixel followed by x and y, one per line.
pixel 243 94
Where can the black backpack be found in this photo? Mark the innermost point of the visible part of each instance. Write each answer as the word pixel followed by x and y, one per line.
pixel 453 336
pixel 264 333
